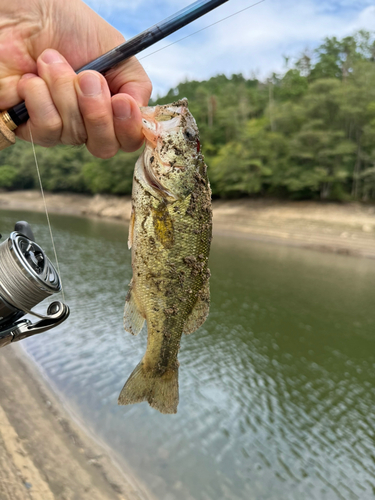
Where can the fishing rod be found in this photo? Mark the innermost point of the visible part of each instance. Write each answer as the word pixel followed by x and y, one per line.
pixel 13 117
pixel 27 276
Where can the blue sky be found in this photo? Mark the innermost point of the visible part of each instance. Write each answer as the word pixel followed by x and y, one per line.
pixel 252 43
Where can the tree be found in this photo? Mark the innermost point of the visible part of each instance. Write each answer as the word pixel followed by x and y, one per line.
pixel 307 133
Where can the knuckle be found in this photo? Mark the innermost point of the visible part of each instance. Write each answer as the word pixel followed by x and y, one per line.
pixel 53 125
pixel 73 140
pixel 33 85
pixel 61 83
pixel 48 120
pixel 97 118
pixel 75 134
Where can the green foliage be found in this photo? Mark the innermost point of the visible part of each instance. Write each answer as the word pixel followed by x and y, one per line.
pixel 110 176
pixel 8 176
pixel 63 168
pixel 309 133
pixel 292 85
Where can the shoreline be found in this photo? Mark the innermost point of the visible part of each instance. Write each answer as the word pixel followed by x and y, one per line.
pixel 46 453
pixel 344 228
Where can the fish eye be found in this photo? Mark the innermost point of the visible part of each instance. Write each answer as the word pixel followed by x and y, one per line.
pixel 189 134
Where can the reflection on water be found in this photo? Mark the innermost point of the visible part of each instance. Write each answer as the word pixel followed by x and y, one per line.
pixel 276 389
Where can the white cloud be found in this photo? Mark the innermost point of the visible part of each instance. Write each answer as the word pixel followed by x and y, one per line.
pixel 366 19
pixel 253 41
pixel 334 5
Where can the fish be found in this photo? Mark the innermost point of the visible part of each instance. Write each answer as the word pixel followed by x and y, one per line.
pixel 170 233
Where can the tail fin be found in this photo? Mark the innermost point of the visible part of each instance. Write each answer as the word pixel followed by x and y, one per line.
pixel 161 391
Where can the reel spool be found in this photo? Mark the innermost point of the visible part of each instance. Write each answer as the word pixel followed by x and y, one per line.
pixel 26 278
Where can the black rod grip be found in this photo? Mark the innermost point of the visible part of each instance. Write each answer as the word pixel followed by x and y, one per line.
pixel 135 45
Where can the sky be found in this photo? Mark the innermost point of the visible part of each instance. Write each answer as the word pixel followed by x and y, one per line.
pixel 254 42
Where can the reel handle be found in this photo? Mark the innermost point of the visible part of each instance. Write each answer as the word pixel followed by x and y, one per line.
pixel 57 312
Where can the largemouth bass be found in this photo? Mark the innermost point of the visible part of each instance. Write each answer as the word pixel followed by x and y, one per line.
pixel 170 235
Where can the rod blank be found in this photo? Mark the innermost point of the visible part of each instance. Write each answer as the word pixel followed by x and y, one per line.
pixel 135 45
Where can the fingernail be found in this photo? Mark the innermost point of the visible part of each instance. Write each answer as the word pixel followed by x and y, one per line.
pixel 50 56
pixel 121 109
pixel 90 84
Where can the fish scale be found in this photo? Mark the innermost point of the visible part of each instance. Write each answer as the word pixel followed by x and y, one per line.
pixel 170 238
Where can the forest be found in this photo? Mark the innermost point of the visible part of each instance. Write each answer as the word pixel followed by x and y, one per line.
pixel 308 133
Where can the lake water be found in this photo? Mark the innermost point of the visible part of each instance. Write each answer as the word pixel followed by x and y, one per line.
pixel 277 389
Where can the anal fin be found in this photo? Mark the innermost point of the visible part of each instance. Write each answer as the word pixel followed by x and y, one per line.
pixel 200 310
pixel 133 318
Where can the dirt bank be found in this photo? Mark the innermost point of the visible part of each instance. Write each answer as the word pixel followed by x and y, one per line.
pixel 343 228
pixel 44 454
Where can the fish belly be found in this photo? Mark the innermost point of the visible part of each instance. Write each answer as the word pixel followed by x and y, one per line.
pixel 169 288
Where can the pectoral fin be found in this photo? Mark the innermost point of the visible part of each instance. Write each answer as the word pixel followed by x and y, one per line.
pixel 133 318
pixel 200 310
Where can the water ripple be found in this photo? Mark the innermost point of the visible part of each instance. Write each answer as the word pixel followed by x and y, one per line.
pixel 277 388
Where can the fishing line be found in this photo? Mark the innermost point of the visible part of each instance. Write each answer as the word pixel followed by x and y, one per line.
pixel 202 29
pixel 45 208
pixel 17 290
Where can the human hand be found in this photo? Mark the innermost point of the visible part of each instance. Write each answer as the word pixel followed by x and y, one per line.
pixel 42 42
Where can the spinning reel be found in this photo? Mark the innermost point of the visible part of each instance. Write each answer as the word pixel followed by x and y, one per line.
pixel 26 278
